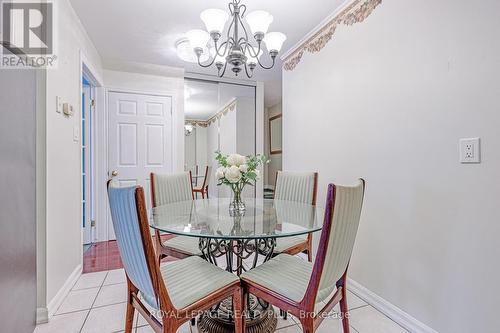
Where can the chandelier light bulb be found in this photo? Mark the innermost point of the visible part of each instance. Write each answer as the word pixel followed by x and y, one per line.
pixel 274 41
pixel 259 21
pixel 198 39
pixel 215 20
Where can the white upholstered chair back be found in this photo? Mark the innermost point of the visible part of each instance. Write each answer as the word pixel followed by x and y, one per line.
pixel 296 186
pixel 345 222
pixel 171 188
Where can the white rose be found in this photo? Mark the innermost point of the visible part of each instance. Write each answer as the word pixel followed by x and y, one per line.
pixel 243 168
pixel 236 159
pixel 220 173
pixel 242 160
pixel 233 174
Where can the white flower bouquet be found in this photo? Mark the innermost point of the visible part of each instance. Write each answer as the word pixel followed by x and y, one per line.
pixel 237 171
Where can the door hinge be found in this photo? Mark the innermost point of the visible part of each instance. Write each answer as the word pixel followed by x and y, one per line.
pixel 92 102
pixel 92 223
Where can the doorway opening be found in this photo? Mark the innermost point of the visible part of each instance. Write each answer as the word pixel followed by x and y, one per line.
pixel 88 162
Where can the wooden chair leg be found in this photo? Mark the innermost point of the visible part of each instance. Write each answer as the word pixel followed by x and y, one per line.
pixel 203 194
pixel 309 247
pixel 238 307
pixel 344 308
pixel 129 317
pixel 207 192
pixel 307 325
pixel 309 256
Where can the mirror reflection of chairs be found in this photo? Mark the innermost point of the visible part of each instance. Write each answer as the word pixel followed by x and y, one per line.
pixel 204 180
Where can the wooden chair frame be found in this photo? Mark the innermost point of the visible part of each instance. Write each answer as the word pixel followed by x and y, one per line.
pixel 162 250
pixel 306 245
pixel 311 321
pixel 172 318
pixel 204 187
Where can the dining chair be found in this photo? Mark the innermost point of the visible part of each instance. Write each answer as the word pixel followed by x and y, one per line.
pixel 177 292
pixel 194 171
pixel 204 186
pixel 297 286
pixel 298 187
pixel 167 189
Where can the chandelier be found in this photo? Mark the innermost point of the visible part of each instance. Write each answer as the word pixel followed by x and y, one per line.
pixel 237 50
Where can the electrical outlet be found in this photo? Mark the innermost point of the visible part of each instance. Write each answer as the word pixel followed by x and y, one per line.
pixel 470 150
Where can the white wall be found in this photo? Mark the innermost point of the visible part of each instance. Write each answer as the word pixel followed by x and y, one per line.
pixel 275 163
pixel 63 186
pixel 201 146
pixel 388 100
pixel 212 146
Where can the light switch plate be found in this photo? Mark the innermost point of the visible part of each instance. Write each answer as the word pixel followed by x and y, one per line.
pixel 59 104
pixel 76 133
pixel 470 150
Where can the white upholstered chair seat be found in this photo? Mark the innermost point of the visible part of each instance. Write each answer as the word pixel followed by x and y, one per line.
pixel 192 279
pixel 285 243
pixel 184 244
pixel 286 275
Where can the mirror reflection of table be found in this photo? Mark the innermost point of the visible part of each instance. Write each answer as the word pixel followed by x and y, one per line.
pixel 239 243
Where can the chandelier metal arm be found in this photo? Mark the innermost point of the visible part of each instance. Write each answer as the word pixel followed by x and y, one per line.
pixel 223 71
pixel 272 65
pixel 238 50
pixel 249 75
pixel 251 48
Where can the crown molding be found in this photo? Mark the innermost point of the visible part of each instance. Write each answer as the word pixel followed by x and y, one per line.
pixel 349 13
pixel 230 106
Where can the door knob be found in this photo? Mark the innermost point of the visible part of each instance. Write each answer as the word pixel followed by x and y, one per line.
pixel 114 173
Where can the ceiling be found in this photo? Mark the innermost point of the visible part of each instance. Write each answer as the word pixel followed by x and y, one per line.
pixel 146 31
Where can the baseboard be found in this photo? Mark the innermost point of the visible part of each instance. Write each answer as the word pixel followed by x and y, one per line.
pixel 42 316
pixel 389 309
pixel 61 294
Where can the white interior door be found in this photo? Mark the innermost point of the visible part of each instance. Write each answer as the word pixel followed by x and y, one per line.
pixel 140 139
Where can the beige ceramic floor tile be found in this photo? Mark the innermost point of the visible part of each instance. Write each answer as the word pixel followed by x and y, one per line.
pixel 78 300
pixel 65 323
pixel 369 320
pixel 112 294
pixel 90 280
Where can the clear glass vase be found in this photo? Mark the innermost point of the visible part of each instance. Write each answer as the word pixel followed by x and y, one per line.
pixel 236 206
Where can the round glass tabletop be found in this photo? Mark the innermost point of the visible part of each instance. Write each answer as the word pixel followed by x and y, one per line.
pixel 263 218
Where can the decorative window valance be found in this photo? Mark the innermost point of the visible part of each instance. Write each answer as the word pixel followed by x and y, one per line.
pixel 356 12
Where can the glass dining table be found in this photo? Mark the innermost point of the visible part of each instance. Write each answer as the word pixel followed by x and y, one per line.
pixel 237 243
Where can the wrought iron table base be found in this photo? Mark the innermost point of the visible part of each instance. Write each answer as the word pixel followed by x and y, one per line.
pixel 260 316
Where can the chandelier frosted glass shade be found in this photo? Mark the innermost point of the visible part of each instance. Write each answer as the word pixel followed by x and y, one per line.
pixel 198 38
pixel 274 41
pixel 185 51
pixel 214 19
pixel 242 45
pixel 259 21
